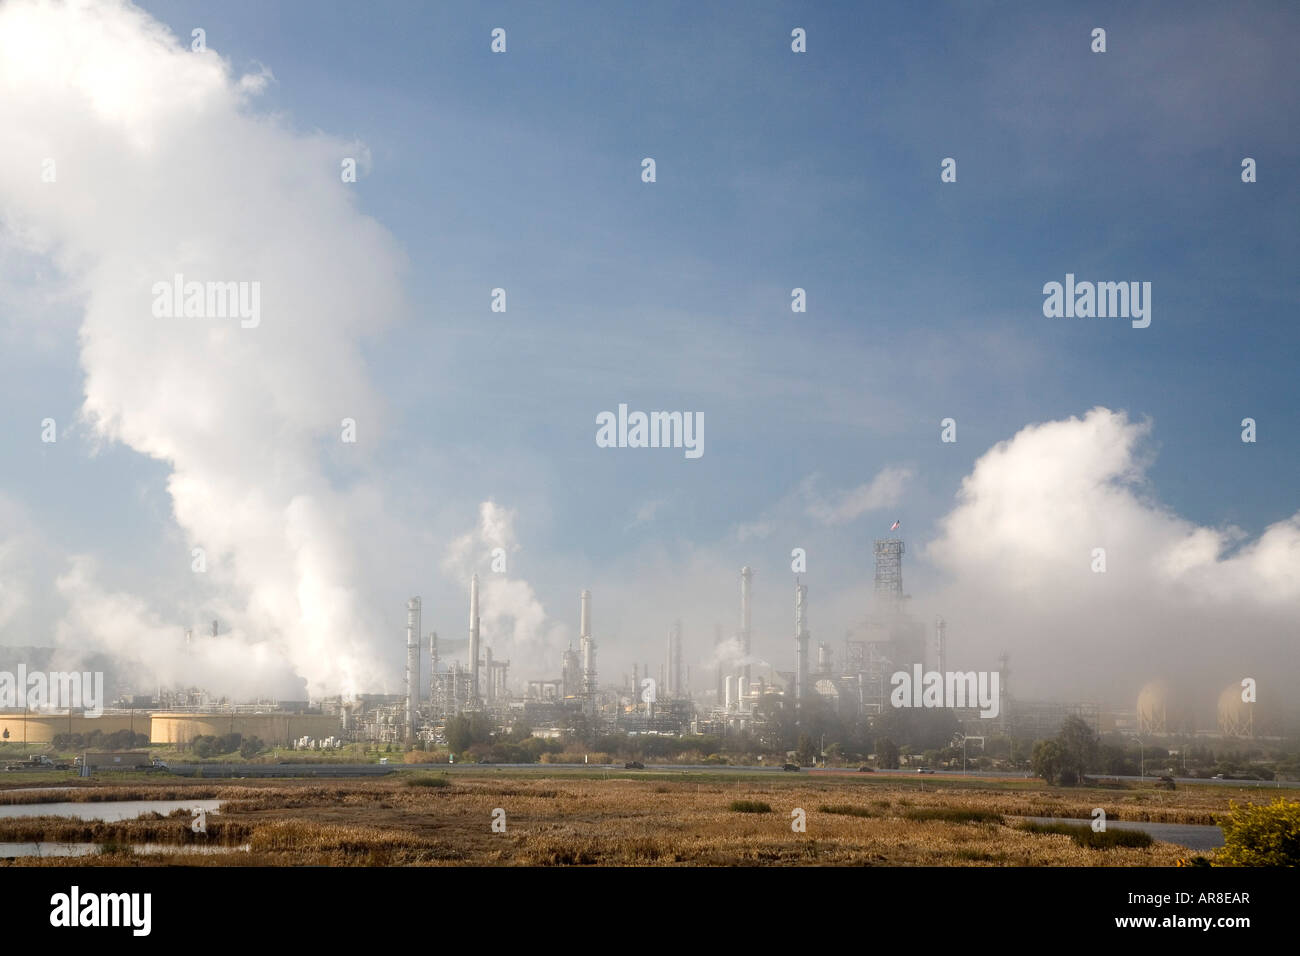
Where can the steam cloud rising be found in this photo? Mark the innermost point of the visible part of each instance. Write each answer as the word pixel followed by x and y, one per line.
pixel 1176 600
pixel 162 169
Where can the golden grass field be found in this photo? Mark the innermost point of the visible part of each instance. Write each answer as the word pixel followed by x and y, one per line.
pixel 654 819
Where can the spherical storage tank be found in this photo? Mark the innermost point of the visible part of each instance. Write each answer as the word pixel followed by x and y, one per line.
pixel 1153 708
pixel 1236 716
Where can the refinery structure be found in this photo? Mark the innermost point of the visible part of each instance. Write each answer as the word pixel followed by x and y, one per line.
pixel 850 679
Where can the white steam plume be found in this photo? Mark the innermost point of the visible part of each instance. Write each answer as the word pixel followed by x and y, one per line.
pixel 161 167
pixel 514 623
pixel 1175 599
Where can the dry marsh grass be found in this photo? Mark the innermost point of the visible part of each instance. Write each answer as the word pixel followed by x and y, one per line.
pixel 575 820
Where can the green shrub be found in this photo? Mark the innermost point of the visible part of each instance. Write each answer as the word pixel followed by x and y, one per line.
pixel 953 815
pixel 427 781
pixel 1261 835
pixel 750 806
pixel 1084 835
pixel 847 810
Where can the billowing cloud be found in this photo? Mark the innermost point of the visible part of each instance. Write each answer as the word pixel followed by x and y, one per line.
pixel 645 513
pixel 129 159
pixel 512 619
pixel 1025 545
pixel 730 656
pixel 143 643
pixel 15 544
pixel 883 491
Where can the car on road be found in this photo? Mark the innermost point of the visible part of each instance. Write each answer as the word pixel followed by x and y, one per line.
pixel 924 770
pixel 38 762
pixel 865 769
pixel 790 767
pixel 634 765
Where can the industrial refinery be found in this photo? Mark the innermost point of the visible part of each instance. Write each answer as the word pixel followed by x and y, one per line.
pixel 727 693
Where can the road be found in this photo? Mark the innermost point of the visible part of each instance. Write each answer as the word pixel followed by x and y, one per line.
pixel 372 769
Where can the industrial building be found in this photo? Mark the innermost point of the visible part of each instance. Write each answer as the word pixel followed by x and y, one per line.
pixel 852 679
pixel 275 729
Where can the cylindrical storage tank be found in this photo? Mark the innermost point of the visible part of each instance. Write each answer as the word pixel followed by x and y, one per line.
pixel 742 689
pixel 731 692
pixel 275 729
pixel 42 728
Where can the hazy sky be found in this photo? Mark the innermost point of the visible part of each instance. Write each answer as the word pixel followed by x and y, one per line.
pixel 476 429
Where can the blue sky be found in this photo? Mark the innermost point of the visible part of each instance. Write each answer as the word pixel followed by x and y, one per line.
pixel 775 170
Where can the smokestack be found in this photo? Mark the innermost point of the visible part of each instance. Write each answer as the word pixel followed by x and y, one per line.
pixel 940 646
pixel 746 574
pixel 473 641
pixel 719 691
pixel 412 666
pixel 433 672
pixel 588 651
pixel 667 666
pixel 800 643
pixel 214 627
pixel 675 679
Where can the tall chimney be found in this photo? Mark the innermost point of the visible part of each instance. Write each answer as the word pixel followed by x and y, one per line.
pixel 412 666
pixel 940 644
pixel 800 643
pixel 588 652
pixel 473 641
pixel 717 641
pixel 433 673
pixel 675 661
pixel 746 575
pixel 673 678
